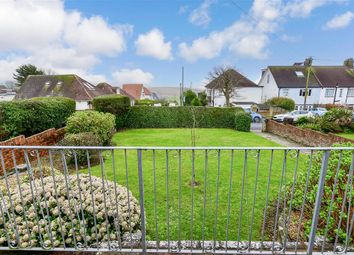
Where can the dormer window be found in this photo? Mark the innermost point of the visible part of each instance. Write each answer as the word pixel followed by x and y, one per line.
pixel 299 74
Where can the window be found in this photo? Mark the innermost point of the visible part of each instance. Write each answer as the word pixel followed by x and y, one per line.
pixel 340 93
pixel 351 92
pixel 329 93
pixel 299 74
pixel 302 92
pixel 285 92
pixel 268 78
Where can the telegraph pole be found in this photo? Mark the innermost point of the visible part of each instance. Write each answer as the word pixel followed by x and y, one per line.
pixel 182 85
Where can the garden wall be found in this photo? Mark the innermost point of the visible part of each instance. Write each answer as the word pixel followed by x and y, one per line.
pixel 46 138
pixel 305 137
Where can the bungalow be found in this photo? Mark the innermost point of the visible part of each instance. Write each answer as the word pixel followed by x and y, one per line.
pixel 69 85
pixel 245 93
pixel 138 91
pixel 327 84
pixel 109 89
pixel 6 94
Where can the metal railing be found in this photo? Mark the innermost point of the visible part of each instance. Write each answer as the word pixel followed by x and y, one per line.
pixel 177 199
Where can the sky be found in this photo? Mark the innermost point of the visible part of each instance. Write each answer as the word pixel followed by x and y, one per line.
pixel 131 41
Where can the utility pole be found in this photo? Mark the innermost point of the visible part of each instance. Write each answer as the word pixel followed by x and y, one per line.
pixel 307 85
pixel 182 84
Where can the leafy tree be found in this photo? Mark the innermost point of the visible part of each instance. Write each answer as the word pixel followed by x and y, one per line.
pixel 202 96
pixel 23 71
pixel 189 95
pixel 196 102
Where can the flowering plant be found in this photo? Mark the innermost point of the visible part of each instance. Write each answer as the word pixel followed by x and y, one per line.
pixel 67 211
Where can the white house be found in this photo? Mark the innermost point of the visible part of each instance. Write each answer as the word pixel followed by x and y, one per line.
pixel 138 91
pixel 6 94
pixel 245 93
pixel 327 84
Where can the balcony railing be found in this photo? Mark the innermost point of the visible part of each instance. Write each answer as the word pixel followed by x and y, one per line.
pixel 177 199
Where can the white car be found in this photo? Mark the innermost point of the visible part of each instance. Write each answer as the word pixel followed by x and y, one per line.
pixel 294 115
pixel 318 111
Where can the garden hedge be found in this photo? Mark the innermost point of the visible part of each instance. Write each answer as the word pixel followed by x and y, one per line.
pixel 282 102
pixel 243 121
pixel 28 117
pixel 115 104
pixel 180 117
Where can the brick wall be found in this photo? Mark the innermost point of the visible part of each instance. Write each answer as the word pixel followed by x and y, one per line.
pixel 305 137
pixel 46 138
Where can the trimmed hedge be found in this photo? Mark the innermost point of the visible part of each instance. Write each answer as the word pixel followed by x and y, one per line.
pixel 180 117
pixel 28 117
pixel 115 104
pixel 243 121
pixel 282 102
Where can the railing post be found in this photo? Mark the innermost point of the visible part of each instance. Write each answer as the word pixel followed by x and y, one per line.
pixel 318 201
pixel 141 200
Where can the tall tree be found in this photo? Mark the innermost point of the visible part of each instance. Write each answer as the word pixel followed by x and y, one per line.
pixel 22 72
pixel 225 79
pixel 203 98
pixel 189 95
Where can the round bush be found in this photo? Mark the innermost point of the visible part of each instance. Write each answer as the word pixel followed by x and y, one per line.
pixel 243 121
pixel 282 102
pixel 98 123
pixel 81 139
pixel 63 222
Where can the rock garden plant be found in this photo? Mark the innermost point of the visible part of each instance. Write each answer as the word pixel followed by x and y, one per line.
pixel 67 211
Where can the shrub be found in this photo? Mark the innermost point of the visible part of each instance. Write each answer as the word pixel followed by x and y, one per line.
pixel 312 126
pixel 282 102
pixel 146 102
pixel 196 102
pixel 302 120
pixel 243 121
pixel 81 139
pixel 115 104
pixel 28 117
pixel 65 225
pixel 339 192
pixel 98 123
pixel 181 117
pixel 339 116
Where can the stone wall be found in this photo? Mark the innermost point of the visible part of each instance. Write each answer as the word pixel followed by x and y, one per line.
pixel 305 137
pixel 46 138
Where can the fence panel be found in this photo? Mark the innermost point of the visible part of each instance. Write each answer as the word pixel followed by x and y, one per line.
pixel 178 199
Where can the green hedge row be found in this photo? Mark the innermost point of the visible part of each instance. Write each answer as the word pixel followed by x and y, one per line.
pixel 115 104
pixel 28 117
pixel 140 116
pixel 181 117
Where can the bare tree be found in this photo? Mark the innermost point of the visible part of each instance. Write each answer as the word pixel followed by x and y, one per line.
pixel 226 79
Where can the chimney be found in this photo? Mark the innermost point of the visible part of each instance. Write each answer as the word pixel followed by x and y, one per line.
pixel 308 61
pixel 349 62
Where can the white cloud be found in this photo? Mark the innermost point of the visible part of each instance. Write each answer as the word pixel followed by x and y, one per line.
pixel 339 21
pixel 132 76
pixel 182 9
pixel 45 34
pixel 244 37
pixel 290 38
pixel 93 35
pixel 249 36
pixel 153 44
pixel 200 16
pixel 303 8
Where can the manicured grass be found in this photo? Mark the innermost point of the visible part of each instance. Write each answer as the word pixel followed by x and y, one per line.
pixel 175 205
pixel 347 135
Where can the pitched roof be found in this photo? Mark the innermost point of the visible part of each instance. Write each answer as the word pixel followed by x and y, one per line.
pixel 237 79
pixel 135 90
pixel 320 76
pixel 109 89
pixel 69 85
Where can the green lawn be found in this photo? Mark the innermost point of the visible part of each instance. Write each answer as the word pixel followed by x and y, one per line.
pixel 347 135
pixel 204 137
